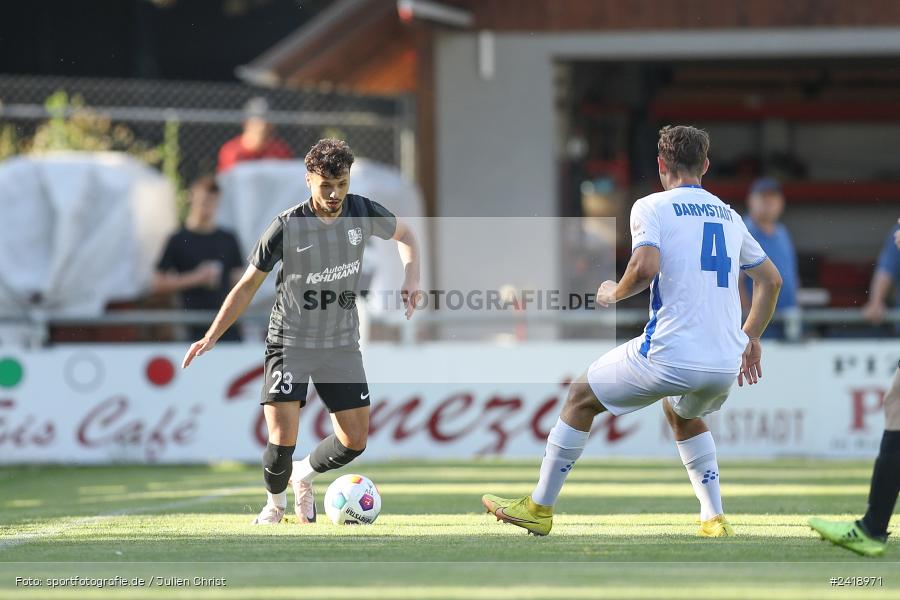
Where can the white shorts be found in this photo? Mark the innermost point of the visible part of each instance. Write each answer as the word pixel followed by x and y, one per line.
pixel 625 381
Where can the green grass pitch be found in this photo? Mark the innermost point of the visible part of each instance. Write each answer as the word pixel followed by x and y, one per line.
pixel 624 529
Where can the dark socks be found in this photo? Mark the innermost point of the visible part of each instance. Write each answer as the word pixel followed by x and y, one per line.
pixel 277 467
pixel 885 486
pixel 331 454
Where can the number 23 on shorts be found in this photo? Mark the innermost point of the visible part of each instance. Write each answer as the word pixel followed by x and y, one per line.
pixel 285 381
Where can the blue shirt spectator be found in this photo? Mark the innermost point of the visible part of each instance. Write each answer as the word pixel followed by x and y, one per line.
pixel 887 273
pixel 766 204
pixel 889 259
pixel 779 247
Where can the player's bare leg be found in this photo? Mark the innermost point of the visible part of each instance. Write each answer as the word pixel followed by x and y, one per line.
pixel 564 445
pixel 351 427
pixel 351 432
pixel 698 454
pixel 283 422
pixel 581 406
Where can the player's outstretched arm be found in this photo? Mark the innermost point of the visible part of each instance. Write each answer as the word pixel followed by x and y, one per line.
pixel 235 304
pixel 879 290
pixel 882 283
pixel 766 287
pixel 641 269
pixel 408 246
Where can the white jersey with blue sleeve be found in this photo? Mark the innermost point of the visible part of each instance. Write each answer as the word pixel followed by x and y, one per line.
pixel 695 308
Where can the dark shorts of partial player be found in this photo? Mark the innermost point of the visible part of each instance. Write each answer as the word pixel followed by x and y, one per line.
pixel 337 373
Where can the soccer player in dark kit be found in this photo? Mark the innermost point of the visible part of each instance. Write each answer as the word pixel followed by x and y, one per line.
pixel 868 535
pixel 314 326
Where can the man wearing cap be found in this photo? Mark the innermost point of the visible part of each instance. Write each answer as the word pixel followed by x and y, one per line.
pixel 765 205
pixel 257 141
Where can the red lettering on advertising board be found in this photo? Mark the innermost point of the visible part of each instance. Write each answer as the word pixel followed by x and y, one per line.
pixel 443 412
pixel 506 408
pixel 865 401
pixel 546 410
pixel 451 419
pixel 381 415
pixel 25 432
pixel 110 423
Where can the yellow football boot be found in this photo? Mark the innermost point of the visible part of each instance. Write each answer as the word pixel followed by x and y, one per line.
pixel 716 527
pixel 521 512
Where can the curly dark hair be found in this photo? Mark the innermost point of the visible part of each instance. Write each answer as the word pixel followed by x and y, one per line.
pixel 329 158
pixel 683 148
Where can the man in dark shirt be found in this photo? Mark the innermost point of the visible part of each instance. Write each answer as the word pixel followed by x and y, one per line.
pixel 314 327
pixel 201 261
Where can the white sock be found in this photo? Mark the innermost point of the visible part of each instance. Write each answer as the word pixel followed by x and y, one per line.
pixel 279 500
pixel 303 471
pixel 564 445
pixel 699 457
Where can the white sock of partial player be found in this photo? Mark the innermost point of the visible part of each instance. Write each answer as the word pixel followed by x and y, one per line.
pixel 303 471
pixel 699 457
pixel 564 445
pixel 279 500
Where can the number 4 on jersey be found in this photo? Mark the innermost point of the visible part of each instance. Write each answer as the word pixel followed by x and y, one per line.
pixel 720 262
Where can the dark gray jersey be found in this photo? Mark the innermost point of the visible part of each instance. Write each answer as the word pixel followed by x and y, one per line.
pixel 321 263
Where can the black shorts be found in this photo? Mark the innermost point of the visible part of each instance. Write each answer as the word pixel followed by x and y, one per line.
pixel 337 373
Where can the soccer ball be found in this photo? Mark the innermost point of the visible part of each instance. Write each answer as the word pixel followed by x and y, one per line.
pixel 352 500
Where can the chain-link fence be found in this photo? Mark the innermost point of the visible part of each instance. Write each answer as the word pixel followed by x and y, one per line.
pixel 200 117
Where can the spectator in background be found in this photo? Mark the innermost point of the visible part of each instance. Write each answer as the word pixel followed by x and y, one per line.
pixel 887 273
pixel 765 206
pixel 257 140
pixel 201 262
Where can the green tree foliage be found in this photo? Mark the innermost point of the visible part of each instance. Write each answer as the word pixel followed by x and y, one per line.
pixel 71 125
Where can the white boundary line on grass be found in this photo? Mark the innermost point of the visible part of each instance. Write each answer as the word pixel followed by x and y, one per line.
pixel 25 538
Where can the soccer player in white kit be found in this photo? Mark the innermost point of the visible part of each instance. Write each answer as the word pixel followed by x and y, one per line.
pixel 688 247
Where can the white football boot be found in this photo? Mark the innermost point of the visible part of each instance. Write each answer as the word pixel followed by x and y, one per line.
pixel 269 515
pixel 304 501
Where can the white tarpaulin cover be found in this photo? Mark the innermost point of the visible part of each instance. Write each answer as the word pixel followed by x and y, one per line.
pixel 253 193
pixel 78 230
